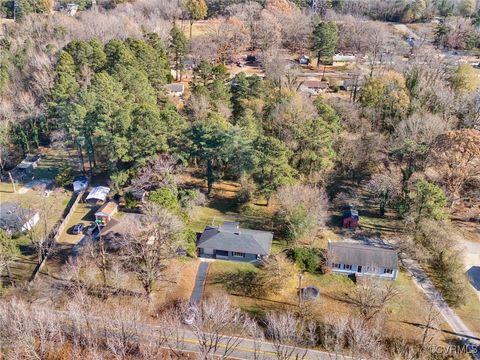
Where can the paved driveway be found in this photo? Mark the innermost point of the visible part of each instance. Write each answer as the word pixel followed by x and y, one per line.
pixel 197 292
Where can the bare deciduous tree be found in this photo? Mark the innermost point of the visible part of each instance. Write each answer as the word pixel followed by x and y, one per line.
pixel 303 210
pixel 160 172
pixel 371 296
pixel 217 325
pixel 291 335
pixel 151 240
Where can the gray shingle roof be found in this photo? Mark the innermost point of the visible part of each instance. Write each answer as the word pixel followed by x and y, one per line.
pixel 13 217
pixel 229 237
pixel 365 255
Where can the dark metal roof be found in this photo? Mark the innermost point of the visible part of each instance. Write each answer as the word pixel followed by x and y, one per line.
pixel 229 237
pixel 364 255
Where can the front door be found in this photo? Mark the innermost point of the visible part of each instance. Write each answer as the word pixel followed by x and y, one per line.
pixel 359 269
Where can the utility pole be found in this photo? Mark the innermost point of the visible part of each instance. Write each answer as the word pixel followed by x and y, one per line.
pixel 300 278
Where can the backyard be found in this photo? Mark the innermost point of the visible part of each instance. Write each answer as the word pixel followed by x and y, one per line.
pixel 49 205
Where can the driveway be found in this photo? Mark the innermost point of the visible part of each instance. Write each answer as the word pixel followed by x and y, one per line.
pixel 197 292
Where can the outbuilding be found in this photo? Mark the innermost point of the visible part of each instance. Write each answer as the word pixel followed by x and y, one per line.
pixel 350 218
pixel 98 193
pixel 105 213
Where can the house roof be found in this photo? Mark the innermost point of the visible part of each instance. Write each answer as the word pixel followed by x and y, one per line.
pixel 365 255
pixel 315 84
pixel 345 58
pixel 98 193
pixel 13 217
pixel 107 209
pixel 175 87
pixel 230 237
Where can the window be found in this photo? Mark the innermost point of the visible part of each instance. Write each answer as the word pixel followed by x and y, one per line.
pixel 336 266
pixel 387 271
pixel 221 253
pixel 238 254
pixel 347 267
pixel 372 269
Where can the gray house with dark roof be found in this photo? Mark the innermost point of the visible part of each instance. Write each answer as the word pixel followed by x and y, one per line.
pixel 359 259
pixel 230 242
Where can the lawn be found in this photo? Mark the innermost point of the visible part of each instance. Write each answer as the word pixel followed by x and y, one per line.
pixel 403 316
pixel 222 206
pixel 470 312
pixel 51 206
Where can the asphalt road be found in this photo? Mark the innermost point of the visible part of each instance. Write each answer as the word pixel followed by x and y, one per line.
pixel 185 340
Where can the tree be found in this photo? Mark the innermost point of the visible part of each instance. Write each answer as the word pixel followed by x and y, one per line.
pixel 302 210
pixel 384 188
pixel 217 326
pixel 453 160
pixel 207 139
pixel 149 243
pixel 198 10
pixel 463 79
pixel 371 296
pixel 178 49
pixel 291 336
pixel 8 252
pixel 324 40
pixel 428 201
pixel 276 273
pixel 272 169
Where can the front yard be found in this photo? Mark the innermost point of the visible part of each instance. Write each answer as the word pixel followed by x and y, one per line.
pixel 405 315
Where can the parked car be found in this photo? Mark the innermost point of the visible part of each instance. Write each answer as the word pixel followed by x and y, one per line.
pixel 91 228
pixel 77 229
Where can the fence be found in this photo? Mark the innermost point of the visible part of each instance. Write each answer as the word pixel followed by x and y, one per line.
pixel 57 231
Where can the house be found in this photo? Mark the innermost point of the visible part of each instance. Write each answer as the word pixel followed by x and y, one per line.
pixel 350 218
pixel 313 87
pixel 80 183
pixel 358 259
pixel 105 213
pixel 175 89
pixel 71 9
pixel 304 60
pixel 15 219
pixel 26 167
pixel 230 242
pixel 342 60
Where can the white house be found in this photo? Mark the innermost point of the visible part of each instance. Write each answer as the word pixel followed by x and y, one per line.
pixel 362 260
pixel 341 60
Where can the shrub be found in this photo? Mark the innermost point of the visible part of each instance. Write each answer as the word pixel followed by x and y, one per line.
pixel 130 201
pixel 307 259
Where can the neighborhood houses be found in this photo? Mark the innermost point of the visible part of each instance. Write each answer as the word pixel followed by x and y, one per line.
pixel 240 179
